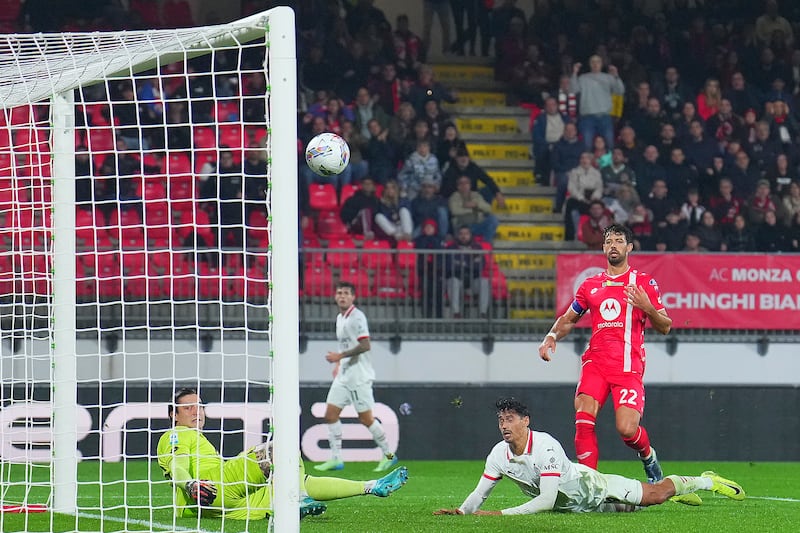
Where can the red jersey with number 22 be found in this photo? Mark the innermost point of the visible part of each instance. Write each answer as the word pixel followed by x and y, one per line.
pixel 617 340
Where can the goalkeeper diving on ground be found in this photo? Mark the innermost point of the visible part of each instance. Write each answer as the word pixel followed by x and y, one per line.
pixel 238 488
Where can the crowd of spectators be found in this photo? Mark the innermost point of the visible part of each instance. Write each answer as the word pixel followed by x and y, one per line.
pixel 364 79
pixel 685 123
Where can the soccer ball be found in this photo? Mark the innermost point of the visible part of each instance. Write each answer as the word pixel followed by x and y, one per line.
pixel 327 154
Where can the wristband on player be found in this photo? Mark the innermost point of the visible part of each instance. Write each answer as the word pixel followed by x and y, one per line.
pixel 552 334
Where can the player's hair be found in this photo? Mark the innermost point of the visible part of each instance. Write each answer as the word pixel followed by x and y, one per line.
pixel 619 229
pixel 346 285
pixel 512 404
pixel 180 393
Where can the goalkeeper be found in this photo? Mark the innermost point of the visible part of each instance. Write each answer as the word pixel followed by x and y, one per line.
pixel 238 488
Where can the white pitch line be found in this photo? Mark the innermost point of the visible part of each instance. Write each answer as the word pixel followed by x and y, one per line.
pixel 772 498
pixel 139 522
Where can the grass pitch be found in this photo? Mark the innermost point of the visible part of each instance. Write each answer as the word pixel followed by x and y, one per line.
pixel 130 503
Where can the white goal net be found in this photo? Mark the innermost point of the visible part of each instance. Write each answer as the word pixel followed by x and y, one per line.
pixel 147 186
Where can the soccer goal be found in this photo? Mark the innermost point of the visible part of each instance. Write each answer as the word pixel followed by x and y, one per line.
pixel 148 236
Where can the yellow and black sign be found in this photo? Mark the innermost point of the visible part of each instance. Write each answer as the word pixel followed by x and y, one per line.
pixel 520 232
pixel 513 261
pixel 481 99
pixel 452 74
pixel 500 151
pixel 521 314
pixel 513 178
pixel 487 125
pixel 524 206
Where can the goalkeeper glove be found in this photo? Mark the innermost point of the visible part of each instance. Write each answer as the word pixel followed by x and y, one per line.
pixel 203 491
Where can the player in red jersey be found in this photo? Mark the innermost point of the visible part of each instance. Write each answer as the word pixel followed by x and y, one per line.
pixel 620 301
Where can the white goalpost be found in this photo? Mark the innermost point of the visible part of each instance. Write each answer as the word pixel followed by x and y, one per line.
pixel 148 242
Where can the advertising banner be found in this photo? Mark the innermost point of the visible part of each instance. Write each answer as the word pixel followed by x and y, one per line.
pixel 720 291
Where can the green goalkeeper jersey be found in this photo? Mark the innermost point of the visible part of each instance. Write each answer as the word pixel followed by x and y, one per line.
pixel 205 461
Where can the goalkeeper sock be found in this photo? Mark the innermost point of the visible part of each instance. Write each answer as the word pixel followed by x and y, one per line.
pixel 332 488
pixel 335 440
pixel 640 442
pixel 586 439
pixel 689 484
pixel 380 437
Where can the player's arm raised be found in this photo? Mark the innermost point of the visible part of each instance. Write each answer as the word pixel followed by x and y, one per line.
pixel 562 327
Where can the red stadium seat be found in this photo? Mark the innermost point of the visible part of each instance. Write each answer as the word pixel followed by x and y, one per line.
pixel 178 163
pixel 109 284
pixel 406 257
pixel 322 197
pixel 100 140
pixel 360 278
pixel 318 281
pixel 330 226
pixel 157 221
pixel 389 284
pixel 230 135
pixel 499 285
pixel 257 286
pixel 339 256
pixel 183 278
pixel 377 254
pixel 233 283
pixel 204 137
pixel 201 157
pixel 348 190
pixel 208 282
pixel 227 111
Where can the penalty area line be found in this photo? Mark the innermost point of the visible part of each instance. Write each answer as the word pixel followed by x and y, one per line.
pixel 139 522
pixel 772 498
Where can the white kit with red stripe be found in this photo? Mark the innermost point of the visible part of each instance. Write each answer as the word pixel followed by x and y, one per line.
pixel 351 327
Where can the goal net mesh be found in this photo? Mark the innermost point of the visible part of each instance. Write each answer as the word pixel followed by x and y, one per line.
pixel 172 261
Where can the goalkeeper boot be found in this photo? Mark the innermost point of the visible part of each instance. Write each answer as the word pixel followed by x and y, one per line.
pixel 311 507
pixel 723 486
pixel 390 482
pixel 333 464
pixel 651 467
pixel 388 461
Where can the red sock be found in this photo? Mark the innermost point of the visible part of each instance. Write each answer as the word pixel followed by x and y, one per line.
pixel 639 442
pixel 586 439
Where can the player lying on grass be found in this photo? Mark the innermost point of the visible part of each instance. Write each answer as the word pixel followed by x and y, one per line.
pixel 538 464
pixel 238 488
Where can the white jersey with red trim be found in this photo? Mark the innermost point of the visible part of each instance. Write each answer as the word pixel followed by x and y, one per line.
pixel 351 327
pixel 580 488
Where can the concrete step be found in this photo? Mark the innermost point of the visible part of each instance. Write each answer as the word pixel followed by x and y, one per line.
pixel 500 110
pixel 468 100
pixel 561 246
pixel 500 151
pixel 509 125
pixel 530 232
pixel 452 59
pixel 488 137
pixel 530 190
pixel 501 165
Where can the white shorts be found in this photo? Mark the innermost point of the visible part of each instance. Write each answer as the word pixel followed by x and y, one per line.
pixel 360 397
pixel 621 489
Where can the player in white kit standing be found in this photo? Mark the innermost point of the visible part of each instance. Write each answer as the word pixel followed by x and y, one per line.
pixel 352 380
pixel 537 463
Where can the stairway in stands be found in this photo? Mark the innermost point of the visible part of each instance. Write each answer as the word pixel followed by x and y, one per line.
pixel 498 139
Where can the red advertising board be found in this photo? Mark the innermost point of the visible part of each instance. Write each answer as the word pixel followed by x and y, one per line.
pixel 721 291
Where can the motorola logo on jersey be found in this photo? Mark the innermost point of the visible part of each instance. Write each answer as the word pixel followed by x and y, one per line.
pixel 610 309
